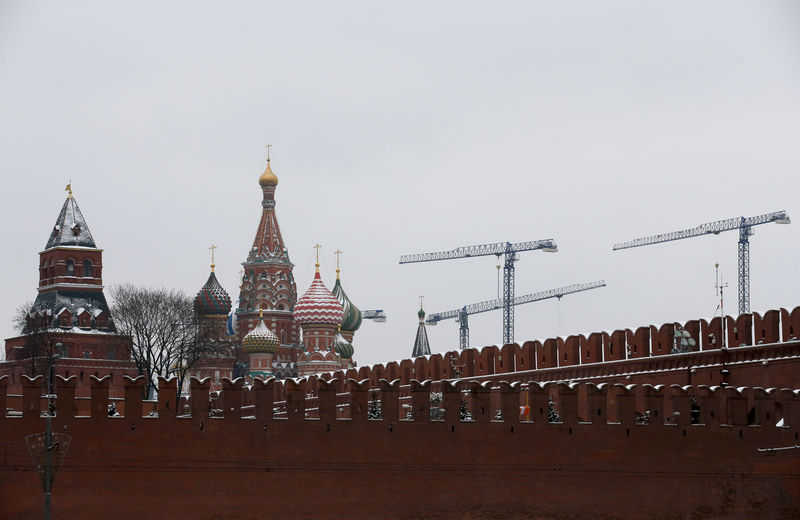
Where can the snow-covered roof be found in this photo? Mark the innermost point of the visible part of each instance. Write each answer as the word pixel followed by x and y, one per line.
pixel 70 228
pixel 421 345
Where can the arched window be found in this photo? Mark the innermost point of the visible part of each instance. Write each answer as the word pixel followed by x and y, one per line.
pixel 87 268
pixel 70 268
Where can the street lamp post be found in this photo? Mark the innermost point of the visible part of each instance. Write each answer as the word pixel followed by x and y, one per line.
pixel 51 408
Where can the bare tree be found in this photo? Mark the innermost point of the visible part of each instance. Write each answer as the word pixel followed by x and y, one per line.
pixel 42 335
pixel 21 316
pixel 163 329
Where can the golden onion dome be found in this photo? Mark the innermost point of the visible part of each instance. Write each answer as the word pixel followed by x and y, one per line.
pixel 268 178
pixel 261 339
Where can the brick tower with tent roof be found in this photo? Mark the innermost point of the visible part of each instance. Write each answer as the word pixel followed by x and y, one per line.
pixel 70 317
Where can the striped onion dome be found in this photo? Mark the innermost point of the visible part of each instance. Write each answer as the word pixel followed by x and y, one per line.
pixel 318 305
pixel 351 319
pixel 261 339
pixel 343 347
pixel 212 298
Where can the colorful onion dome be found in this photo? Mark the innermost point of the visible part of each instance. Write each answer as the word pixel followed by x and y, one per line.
pixel 421 313
pixel 268 178
pixel 212 298
pixel 342 347
pixel 261 339
pixel 318 305
pixel 351 319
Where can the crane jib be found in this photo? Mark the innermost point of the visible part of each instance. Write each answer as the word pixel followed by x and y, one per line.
pixel 491 305
pixel 496 249
pixel 715 228
pixel 743 224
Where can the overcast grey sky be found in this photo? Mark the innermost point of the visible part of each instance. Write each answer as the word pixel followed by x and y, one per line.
pixel 418 127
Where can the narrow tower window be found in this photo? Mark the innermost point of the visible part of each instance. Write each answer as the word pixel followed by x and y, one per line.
pixel 70 268
pixel 87 268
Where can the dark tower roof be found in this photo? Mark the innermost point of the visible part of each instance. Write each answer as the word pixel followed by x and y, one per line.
pixel 70 229
pixel 421 346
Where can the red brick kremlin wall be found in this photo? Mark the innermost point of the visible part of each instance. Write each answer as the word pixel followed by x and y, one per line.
pixel 626 452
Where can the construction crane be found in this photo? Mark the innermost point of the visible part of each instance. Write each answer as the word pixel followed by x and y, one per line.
pixel 744 225
pixel 376 315
pixel 509 251
pixel 461 315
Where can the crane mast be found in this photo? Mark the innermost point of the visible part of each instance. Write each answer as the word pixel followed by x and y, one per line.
pixel 743 224
pixel 509 252
pixel 462 315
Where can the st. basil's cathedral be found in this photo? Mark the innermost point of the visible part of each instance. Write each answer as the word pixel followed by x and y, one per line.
pixel 270 331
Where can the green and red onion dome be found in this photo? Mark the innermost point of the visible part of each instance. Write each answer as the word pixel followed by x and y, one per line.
pixel 212 298
pixel 351 317
pixel 343 347
pixel 261 340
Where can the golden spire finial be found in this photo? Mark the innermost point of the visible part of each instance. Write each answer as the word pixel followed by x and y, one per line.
pixel 261 312
pixel 337 253
pixel 317 246
pixel 68 189
pixel 268 178
pixel 212 248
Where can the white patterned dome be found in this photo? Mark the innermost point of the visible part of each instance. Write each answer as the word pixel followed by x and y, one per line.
pixel 318 305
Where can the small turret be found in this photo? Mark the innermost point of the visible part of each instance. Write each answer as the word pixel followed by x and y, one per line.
pixel 421 345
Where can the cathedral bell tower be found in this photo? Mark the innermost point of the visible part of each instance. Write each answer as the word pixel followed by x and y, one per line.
pixel 268 285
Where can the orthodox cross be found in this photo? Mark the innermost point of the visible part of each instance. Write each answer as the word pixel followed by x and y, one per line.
pixel 337 253
pixel 212 248
pixel 268 148
pixel 421 297
pixel 317 246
